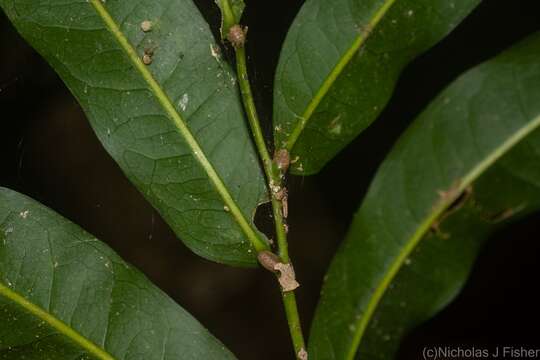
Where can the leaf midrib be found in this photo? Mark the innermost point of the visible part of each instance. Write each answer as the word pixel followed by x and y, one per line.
pixel 55 323
pixel 419 234
pixel 180 125
pixel 336 72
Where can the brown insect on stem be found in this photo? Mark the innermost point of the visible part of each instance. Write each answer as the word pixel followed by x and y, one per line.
pixel 282 160
pixel 237 36
pixel 302 354
pixel 285 206
pixel 287 277
pixel 268 260
pixel 280 193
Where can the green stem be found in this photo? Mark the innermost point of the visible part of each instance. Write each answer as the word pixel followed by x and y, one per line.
pixel 272 174
pixel 275 180
pixel 293 319
pixel 251 110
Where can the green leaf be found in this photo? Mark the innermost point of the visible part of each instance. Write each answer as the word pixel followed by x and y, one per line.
pixel 175 127
pixel 231 14
pixel 466 166
pixel 339 66
pixel 65 295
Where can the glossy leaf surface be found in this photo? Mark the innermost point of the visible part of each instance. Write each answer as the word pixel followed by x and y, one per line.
pixel 468 164
pixel 65 295
pixel 339 66
pixel 175 126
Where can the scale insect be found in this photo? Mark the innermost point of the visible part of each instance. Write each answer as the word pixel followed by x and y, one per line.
pixel 237 36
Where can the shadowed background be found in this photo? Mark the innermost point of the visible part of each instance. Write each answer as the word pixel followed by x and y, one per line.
pixel 49 152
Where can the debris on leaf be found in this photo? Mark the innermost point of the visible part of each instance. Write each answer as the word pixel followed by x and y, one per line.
pixel 446 196
pixel 184 101
pixel 460 199
pixel 504 214
pixel 146 26
pixel 435 229
pixel 215 51
pixel 147 59
pixel 335 126
pixel 302 354
pixel 148 55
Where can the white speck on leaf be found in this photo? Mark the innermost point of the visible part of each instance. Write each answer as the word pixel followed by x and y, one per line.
pixel 184 100
pixel 335 126
pixel 410 13
pixel 146 26
pixel 215 51
pixel 24 214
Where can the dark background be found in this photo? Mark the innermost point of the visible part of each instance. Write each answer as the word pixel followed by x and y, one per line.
pixel 49 152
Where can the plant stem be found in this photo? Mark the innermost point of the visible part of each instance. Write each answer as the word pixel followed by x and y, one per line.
pixel 272 174
pixel 274 178
pixel 253 118
pixel 293 319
